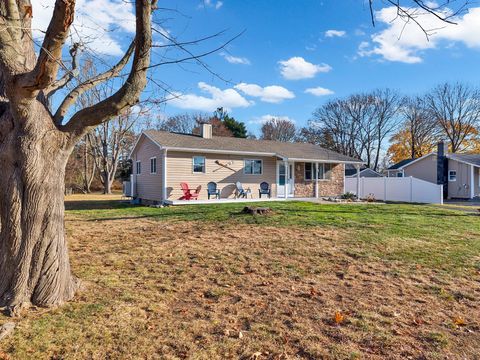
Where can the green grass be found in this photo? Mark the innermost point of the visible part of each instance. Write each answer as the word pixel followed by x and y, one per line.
pixel 431 236
pixel 185 282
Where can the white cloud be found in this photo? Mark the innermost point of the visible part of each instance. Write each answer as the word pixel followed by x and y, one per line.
pixel 101 24
pixel 335 33
pixel 260 120
pixel 211 4
pixel 319 91
pixel 235 60
pixel 405 42
pixel 297 68
pixel 272 94
pixel 228 98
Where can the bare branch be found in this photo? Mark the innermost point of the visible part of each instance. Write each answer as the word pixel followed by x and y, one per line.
pixel 46 68
pixel 87 85
pixel 69 75
pixel 129 94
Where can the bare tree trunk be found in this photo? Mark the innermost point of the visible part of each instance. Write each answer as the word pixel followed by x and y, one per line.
pixel 34 262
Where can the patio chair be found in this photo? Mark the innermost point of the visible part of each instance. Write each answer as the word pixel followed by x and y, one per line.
pixel 264 190
pixel 212 190
pixel 187 192
pixel 241 192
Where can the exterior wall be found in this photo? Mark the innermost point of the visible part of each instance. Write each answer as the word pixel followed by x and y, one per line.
pixel 148 186
pixel 331 187
pixel 424 169
pixel 303 188
pixel 335 185
pixel 180 169
pixel 461 187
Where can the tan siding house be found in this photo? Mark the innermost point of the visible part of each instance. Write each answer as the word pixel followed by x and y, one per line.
pixel 290 169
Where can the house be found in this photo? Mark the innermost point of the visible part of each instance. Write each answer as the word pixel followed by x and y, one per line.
pixel 163 160
pixel 351 171
pixel 458 173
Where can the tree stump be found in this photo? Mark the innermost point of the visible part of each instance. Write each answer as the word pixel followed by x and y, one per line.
pixel 256 210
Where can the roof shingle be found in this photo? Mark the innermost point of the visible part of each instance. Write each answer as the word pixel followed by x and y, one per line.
pixel 300 151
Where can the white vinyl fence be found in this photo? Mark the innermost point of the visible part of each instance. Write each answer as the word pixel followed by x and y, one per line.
pixel 405 189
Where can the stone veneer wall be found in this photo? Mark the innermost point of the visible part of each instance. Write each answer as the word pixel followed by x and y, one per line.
pixel 303 188
pixel 331 187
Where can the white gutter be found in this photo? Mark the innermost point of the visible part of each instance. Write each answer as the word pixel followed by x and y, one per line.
pixel 328 161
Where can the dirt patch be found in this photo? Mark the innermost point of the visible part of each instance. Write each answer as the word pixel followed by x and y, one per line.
pixel 175 290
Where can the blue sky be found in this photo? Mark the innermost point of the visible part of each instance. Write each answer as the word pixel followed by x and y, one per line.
pixel 288 47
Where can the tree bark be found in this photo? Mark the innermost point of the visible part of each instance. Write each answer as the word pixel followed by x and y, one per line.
pixel 34 262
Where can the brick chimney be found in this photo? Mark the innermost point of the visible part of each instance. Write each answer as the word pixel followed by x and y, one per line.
pixel 442 166
pixel 206 131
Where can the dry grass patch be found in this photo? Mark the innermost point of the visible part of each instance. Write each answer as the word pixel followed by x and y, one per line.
pixel 176 290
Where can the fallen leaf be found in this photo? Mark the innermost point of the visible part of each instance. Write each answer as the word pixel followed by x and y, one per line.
pixel 255 356
pixel 240 335
pixel 339 317
pixel 459 321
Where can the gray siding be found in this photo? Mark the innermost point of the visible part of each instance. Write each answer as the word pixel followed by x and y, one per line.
pixel 461 187
pixel 424 169
pixel 148 186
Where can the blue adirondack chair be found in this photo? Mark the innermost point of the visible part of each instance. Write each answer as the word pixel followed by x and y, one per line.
pixel 264 190
pixel 241 192
pixel 212 190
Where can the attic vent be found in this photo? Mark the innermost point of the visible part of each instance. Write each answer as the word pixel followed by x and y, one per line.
pixel 207 132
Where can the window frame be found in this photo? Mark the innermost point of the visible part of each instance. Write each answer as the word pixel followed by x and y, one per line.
pixel 138 167
pixel 312 171
pixel 252 173
pixel 204 170
pixel 154 158
pixel 323 166
pixel 450 175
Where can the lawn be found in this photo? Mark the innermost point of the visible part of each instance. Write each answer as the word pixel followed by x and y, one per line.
pixel 309 281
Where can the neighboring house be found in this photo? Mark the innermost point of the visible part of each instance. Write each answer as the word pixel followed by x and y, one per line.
pixel 163 160
pixel 351 171
pixel 458 173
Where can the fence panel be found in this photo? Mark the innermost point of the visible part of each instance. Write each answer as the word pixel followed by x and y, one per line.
pixel 407 189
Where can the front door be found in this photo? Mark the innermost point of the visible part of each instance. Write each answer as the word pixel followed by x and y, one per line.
pixel 285 179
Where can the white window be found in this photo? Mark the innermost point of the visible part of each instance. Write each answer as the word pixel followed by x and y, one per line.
pixel 452 175
pixel 253 167
pixel 309 171
pixel 199 164
pixel 153 165
pixel 324 171
pixel 139 167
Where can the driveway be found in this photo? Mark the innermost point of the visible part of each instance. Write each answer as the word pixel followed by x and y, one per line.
pixel 466 205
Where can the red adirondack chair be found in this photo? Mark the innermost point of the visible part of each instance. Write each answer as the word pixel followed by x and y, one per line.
pixel 187 192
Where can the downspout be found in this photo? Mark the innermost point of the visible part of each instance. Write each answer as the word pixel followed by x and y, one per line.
pixel 164 176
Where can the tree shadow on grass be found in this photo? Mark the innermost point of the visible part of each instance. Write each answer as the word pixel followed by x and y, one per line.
pixel 96 204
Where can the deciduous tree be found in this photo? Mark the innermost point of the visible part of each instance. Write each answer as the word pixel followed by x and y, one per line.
pixel 456 108
pixel 35 144
pixel 279 130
